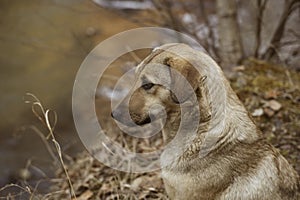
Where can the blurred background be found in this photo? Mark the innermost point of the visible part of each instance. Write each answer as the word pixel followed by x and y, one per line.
pixel 43 43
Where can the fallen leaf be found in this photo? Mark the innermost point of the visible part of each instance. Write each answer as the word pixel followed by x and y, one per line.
pixel 135 185
pixel 271 94
pixel 86 195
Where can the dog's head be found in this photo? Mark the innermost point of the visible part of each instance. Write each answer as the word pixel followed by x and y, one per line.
pixel 163 81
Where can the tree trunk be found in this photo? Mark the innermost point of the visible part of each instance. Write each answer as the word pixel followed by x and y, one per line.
pixel 229 36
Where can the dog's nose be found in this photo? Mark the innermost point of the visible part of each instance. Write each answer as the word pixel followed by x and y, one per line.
pixel 117 115
pixel 113 114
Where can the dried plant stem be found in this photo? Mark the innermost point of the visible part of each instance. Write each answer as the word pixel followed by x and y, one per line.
pixel 44 140
pixel 43 116
pixel 25 189
pixel 133 55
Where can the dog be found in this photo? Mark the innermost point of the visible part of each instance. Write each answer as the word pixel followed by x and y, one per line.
pixel 225 156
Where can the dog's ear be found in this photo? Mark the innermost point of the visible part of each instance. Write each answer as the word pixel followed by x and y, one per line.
pixel 180 84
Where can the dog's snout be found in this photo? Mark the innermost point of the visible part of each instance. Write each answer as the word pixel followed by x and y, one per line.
pixel 119 114
pixel 112 114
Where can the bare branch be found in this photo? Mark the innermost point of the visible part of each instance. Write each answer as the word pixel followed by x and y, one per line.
pixel 294 33
pixel 290 6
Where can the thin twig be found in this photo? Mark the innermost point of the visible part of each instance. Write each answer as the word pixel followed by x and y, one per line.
pixel 25 189
pixel 44 140
pixel 134 55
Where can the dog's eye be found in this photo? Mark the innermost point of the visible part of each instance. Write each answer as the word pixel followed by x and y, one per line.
pixel 147 86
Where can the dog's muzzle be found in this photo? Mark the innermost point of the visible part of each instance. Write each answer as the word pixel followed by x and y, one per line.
pixel 128 120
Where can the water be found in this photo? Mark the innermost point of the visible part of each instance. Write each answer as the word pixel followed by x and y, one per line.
pixel 42 44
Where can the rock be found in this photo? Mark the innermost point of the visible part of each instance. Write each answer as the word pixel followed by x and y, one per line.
pixel 90 31
pixel 258 112
pixel 273 104
pixel 239 68
pixel 24 174
pixel 269 112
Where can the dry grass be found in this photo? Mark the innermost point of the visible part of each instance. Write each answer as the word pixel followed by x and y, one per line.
pixel 44 115
pixel 93 180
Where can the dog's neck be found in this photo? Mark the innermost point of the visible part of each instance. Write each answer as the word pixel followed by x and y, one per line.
pixel 223 120
pixel 230 121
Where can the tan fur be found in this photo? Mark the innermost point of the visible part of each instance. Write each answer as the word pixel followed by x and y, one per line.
pixel 227 158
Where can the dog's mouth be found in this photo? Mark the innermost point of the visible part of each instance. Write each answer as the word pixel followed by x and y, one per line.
pixel 133 122
pixel 149 119
pixel 145 121
pixel 122 121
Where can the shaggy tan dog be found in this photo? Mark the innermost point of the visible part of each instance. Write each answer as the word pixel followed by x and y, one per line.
pixel 224 155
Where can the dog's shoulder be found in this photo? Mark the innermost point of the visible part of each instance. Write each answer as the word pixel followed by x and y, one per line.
pixel 249 170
